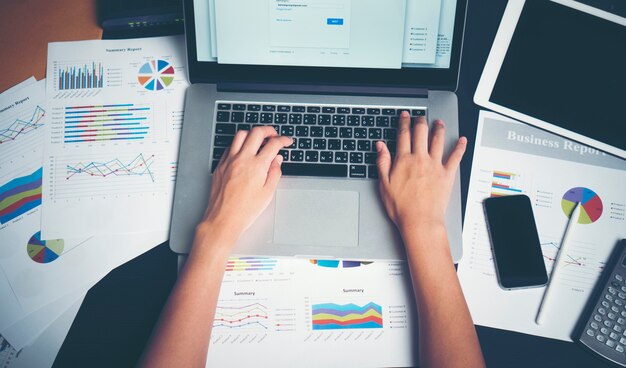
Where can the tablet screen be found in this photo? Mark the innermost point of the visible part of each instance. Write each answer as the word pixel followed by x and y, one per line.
pixel 567 68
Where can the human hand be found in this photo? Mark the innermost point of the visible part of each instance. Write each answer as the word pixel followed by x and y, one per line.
pixel 415 188
pixel 245 180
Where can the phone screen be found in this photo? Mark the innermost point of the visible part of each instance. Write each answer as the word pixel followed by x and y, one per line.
pixel 515 242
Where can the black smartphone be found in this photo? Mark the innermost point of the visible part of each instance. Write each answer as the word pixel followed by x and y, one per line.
pixel 515 242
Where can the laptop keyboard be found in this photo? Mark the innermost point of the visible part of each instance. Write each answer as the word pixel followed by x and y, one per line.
pixel 329 140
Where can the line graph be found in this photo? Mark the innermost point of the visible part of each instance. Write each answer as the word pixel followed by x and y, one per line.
pixel 248 316
pixel 22 127
pixel 139 166
pixel 581 264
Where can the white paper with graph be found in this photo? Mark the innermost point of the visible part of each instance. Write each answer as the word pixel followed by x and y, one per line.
pixel 115 114
pixel 514 158
pixel 293 312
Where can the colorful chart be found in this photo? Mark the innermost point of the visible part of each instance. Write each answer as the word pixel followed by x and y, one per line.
pixel 330 316
pixel 139 166
pixel 250 264
pixel 591 204
pixel 44 251
pixel 504 183
pixel 20 195
pixel 254 315
pixel 331 263
pixel 106 123
pixel 22 127
pixel 81 77
pixel 156 75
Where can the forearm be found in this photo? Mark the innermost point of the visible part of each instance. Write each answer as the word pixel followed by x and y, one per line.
pixel 447 334
pixel 183 333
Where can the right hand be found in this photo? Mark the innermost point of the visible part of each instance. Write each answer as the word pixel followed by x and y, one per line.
pixel 415 187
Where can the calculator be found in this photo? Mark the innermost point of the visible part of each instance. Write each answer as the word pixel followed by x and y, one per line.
pixel 602 326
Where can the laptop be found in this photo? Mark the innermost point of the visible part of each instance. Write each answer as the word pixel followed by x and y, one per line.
pixel 335 75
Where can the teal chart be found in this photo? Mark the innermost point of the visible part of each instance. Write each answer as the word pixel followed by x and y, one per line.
pixel 331 316
pixel 21 127
pixel 19 196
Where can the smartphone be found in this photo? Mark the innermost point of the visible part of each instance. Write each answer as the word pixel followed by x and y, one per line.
pixel 515 242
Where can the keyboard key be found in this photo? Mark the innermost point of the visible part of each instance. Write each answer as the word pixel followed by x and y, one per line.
pixel 373 111
pixel 218 152
pixel 370 158
pixel 267 118
pixel 285 154
pixel 415 113
pixel 243 127
pixel 281 118
pixel 214 165
pixel 324 120
pixel 254 107
pixel 295 156
pixel 341 157
pixel 269 108
pixel 372 172
pixel 358 171
pixel 354 120
pixel 298 109
pixel 393 122
pixel 310 119
pixel 358 110
pixel 334 144
pixel 295 118
pixel 225 129
pixel 239 107
pixel 223 116
pixel 223 106
pixel 389 112
pixel 252 117
pixel 294 144
pixel 382 121
pixel 339 120
pixel 343 110
pixel 364 146
pixel 360 133
pixel 328 110
pixel 311 156
pixel 286 130
pixel 390 134
pixel 391 145
pixel 356 157
pixel 284 108
pixel 375 133
pixel 367 121
pixel 317 131
pixel 331 132
pixel 302 131
pixel 348 145
pixel 304 143
pixel 325 170
pixel 345 133
pixel 223 140
pixel 276 128
pixel 313 109
pixel 237 117
pixel 319 144
pixel 326 156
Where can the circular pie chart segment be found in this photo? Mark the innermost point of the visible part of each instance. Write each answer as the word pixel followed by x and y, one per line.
pixel 44 251
pixel 591 204
pixel 156 75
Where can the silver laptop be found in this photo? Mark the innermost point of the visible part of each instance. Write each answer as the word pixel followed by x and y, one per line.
pixel 334 74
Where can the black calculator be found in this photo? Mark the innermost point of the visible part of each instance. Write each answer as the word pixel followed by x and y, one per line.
pixel 602 326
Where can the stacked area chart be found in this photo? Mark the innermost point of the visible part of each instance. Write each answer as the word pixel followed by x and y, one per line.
pixel 331 316
pixel 19 196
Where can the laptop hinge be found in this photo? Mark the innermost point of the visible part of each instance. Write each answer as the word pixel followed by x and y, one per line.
pixel 323 89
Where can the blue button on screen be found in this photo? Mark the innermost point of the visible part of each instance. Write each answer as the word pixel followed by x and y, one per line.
pixel 335 21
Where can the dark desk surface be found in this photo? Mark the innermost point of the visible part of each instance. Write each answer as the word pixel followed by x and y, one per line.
pixel 118 314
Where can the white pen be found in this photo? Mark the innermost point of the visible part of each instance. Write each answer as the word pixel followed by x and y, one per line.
pixel 557 264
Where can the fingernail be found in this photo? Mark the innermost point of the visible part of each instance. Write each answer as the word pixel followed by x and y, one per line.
pixel 440 123
pixel 405 114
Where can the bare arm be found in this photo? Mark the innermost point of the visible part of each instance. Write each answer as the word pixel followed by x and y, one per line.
pixel 242 187
pixel 415 187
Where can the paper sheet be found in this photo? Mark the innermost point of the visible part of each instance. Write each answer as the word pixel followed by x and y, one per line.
pixel 513 158
pixel 111 144
pixel 313 314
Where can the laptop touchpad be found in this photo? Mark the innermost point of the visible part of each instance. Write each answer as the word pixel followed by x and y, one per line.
pixel 317 218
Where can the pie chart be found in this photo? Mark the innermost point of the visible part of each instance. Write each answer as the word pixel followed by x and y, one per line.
pixel 156 75
pixel 591 204
pixel 44 251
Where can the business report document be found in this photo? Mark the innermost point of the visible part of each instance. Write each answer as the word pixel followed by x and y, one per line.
pixel 115 112
pixel 556 173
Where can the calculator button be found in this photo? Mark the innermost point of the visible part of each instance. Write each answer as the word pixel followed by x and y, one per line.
pixel 621 295
pixel 623 288
pixel 622 341
pixel 623 314
pixel 604 330
pixel 602 311
pixel 619 277
pixel 619 302
pixel 594 325
pixel 600 338
pixel 612 290
pixel 612 315
pixel 611 343
pixel 618 328
pixel 614 284
pixel 619 348
pixel 591 333
pixel 607 323
pixel 599 319
pixel 615 309
pixel 605 304
pixel 608 297
pixel 614 336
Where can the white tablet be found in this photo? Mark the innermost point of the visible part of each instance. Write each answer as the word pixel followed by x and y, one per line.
pixel 560 65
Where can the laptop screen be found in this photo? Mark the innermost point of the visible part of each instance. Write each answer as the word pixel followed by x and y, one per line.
pixel 372 34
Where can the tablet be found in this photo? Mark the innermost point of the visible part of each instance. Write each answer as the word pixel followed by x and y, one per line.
pixel 560 65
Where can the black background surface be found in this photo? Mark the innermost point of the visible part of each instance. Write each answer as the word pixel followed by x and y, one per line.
pixel 117 317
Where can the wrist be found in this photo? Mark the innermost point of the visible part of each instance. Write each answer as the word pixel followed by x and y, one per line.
pixel 215 234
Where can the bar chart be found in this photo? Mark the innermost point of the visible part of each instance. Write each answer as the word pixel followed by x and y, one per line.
pixel 115 122
pixel 87 75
